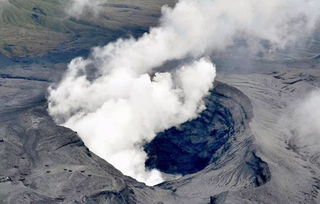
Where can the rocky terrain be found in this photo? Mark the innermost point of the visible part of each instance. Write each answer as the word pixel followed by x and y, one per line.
pixel 43 162
pixel 37 28
pixel 250 160
pixel 237 151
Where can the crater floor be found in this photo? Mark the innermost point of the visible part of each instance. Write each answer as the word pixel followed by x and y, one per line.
pixel 195 144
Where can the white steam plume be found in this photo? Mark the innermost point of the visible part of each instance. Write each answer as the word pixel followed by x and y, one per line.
pixel 78 8
pixel 304 121
pixel 113 103
pixel 118 111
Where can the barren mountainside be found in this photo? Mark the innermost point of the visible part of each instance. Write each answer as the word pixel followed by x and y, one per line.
pixel 244 147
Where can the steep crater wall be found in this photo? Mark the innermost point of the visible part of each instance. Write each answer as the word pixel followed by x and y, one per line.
pixel 195 144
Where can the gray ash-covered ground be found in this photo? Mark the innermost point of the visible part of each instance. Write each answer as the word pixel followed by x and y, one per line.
pixel 42 162
pixel 242 149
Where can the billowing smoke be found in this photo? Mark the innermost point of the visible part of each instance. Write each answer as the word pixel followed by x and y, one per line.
pixel 120 110
pixel 304 124
pixel 116 101
pixel 79 8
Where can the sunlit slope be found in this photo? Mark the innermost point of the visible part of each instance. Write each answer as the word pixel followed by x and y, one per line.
pixel 34 27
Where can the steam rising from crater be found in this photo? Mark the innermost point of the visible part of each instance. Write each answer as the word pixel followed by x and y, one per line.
pixel 116 101
pixel 304 123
